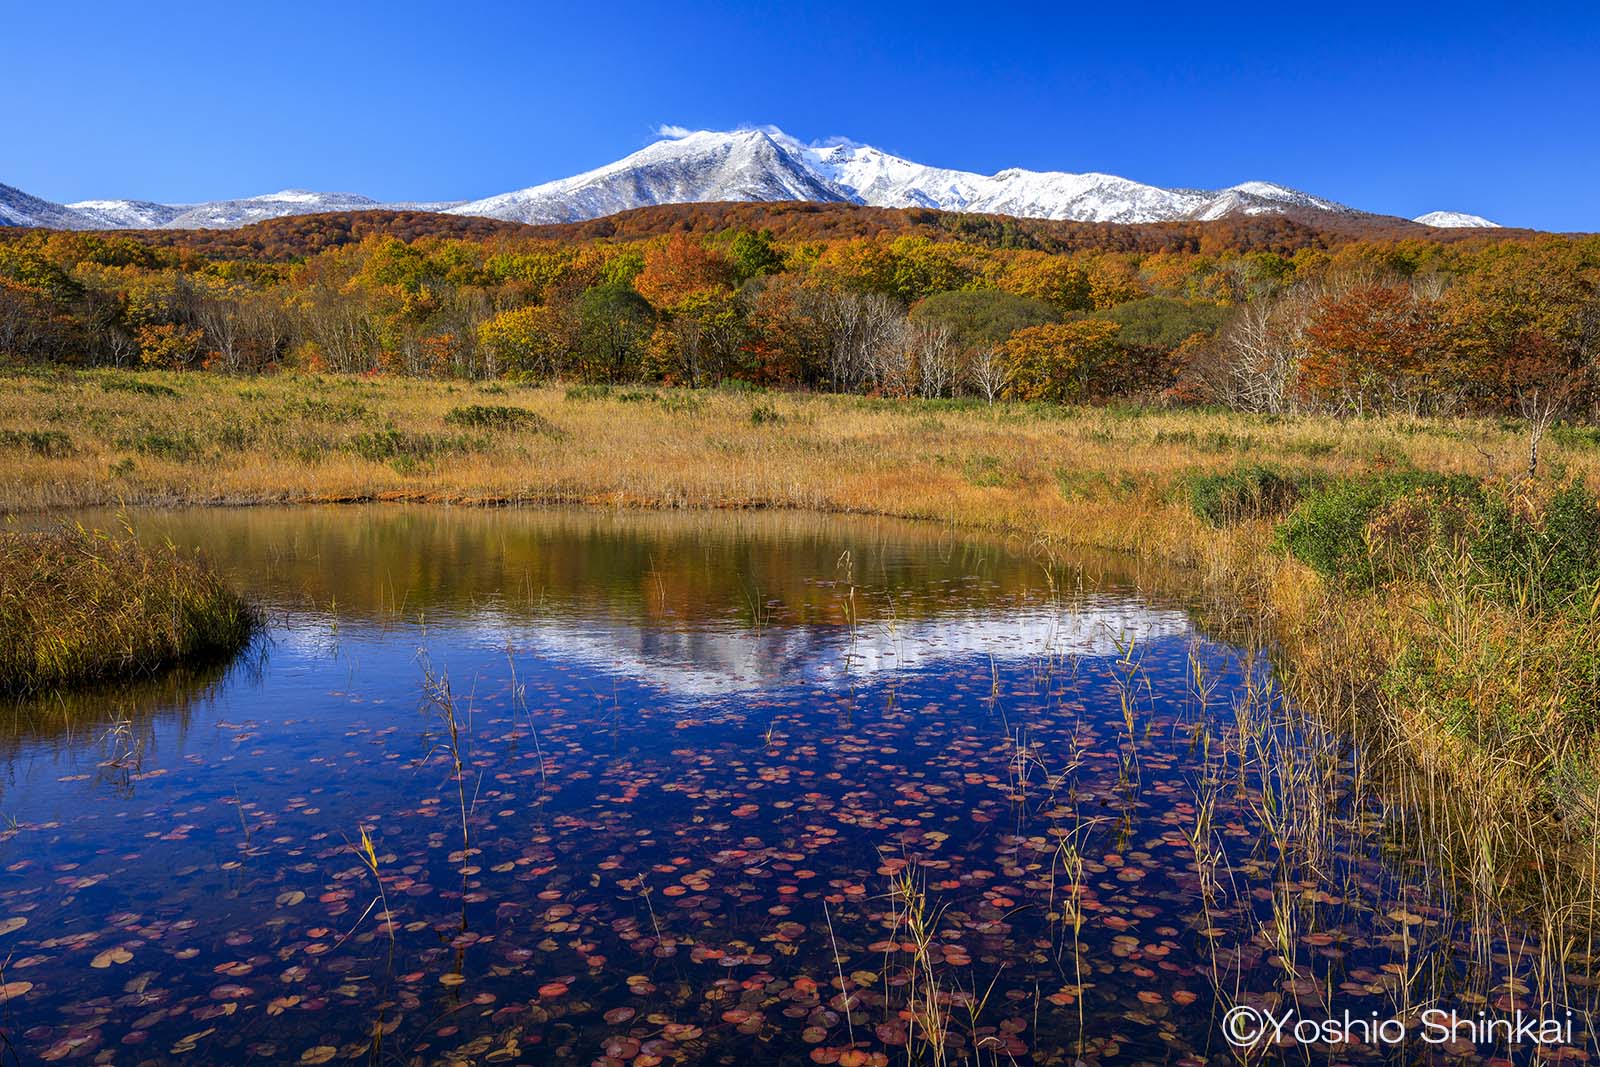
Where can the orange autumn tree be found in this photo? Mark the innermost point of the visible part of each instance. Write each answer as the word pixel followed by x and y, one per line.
pixel 1374 345
pixel 859 265
pixel 698 340
pixel 170 345
pixel 1527 318
pixel 1057 280
pixel 1113 281
pixel 678 268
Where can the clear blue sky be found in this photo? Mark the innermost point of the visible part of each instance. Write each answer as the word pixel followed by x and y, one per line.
pixel 1400 107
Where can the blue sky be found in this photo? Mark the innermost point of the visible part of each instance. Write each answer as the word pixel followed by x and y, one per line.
pixel 1400 108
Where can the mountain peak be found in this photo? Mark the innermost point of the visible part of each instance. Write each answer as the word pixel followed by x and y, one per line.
pixel 691 166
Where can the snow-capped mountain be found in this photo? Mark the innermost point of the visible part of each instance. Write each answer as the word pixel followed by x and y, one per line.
pixel 752 165
pixel 1454 220
pixel 883 180
pixel 697 167
pixel 222 214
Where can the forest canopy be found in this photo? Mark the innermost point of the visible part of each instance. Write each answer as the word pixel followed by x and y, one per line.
pixel 1264 314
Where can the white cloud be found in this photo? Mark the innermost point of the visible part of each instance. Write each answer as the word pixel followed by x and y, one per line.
pixel 674 132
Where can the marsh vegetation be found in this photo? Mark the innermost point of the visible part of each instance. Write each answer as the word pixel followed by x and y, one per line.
pixel 80 605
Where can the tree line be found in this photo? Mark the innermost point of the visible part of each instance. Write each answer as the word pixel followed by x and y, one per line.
pixel 1499 323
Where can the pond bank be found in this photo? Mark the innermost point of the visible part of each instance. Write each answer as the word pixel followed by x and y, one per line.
pixel 80 606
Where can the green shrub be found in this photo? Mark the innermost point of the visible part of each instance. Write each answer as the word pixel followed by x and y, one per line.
pixel 134 385
pixel 1161 322
pixel 1328 529
pixel 398 446
pixel 679 402
pixel 1576 436
pixel 1091 485
pixel 179 446
pixel 323 409
pixel 764 414
pixel 1535 553
pixel 499 417
pixel 52 444
pixel 1312 448
pixel 1254 492
pixel 982 317
pixel 985 471
pixel 234 435
pixel 1212 441
pixel 1528 547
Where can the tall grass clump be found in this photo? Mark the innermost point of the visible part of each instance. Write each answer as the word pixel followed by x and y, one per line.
pixel 1253 492
pixel 499 417
pixel 1484 600
pixel 78 606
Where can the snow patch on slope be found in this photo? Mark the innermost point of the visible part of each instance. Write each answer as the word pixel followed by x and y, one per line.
pixel 226 214
pixel 128 214
pixel 18 208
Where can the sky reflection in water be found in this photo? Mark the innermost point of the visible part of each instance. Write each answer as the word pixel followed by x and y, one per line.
pixel 698 752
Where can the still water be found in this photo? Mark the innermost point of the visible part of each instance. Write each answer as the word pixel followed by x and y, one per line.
pixel 646 789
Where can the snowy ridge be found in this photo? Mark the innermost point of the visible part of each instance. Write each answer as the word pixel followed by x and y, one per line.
pixel 1454 220
pixel 225 214
pixel 763 164
pixel 17 208
pixel 127 214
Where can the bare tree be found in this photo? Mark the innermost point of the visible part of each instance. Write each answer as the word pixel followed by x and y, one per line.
pixel 216 311
pixel 858 329
pixel 266 328
pixel 342 329
pixel 933 347
pixel 1254 360
pixel 989 372
pixel 1540 405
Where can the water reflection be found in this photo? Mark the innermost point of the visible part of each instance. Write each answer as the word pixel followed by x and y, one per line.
pixel 645 789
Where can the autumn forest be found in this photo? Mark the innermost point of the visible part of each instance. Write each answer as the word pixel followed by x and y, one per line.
pixel 1269 317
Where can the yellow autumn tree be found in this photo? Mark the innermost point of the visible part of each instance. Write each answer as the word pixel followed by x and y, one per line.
pixel 530 340
pixel 1056 361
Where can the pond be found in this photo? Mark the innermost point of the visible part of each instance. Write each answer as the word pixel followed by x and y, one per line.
pixel 595 788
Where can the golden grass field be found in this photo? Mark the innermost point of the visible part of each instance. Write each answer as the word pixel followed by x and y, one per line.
pixel 1097 476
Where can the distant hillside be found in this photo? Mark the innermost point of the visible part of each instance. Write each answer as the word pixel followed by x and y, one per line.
pixel 298 236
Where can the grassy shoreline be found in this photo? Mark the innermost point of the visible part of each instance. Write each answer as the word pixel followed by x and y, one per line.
pixel 80 606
